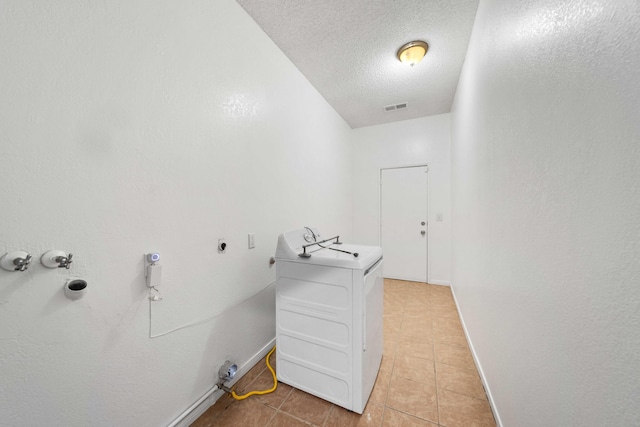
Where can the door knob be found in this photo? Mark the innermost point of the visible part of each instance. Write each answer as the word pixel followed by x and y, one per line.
pixel 423 232
pixel 422 223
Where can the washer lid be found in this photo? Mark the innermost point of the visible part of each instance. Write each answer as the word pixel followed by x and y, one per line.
pixel 290 245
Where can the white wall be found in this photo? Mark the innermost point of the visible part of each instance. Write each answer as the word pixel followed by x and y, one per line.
pixel 410 142
pixel 129 127
pixel 546 202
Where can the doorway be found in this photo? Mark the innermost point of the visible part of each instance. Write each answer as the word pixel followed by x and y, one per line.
pixel 403 222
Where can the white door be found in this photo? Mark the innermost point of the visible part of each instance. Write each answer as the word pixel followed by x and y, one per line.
pixel 403 222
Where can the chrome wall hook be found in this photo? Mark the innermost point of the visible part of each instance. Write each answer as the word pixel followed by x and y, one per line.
pixel 15 261
pixel 56 259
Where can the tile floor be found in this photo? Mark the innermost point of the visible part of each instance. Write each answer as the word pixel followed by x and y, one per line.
pixel 427 377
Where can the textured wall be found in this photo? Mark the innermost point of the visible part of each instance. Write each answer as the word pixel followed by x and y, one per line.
pixel 410 142
pixel 128 127
pixel 546 196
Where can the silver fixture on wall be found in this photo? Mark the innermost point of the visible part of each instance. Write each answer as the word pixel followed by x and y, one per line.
pixel 56 259
pixel 15 261
pixel 227 371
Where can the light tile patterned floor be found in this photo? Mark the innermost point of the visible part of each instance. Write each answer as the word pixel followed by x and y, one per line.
pixel 427 377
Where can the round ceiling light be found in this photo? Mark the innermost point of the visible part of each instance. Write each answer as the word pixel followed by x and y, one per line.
pixel 413 52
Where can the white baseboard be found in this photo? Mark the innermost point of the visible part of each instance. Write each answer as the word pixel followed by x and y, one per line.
pixel 208 399
pixel 193 413
pixel 439 282
pixel 492 404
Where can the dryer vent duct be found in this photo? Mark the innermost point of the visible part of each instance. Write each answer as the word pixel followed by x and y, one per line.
pixel 401 106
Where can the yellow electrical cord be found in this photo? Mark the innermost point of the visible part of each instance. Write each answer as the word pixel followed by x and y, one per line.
pixel 271 390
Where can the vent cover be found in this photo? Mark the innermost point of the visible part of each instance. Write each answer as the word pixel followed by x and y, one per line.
pixel 395 107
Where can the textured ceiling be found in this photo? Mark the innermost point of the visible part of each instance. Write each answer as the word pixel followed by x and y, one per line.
pixel 347 50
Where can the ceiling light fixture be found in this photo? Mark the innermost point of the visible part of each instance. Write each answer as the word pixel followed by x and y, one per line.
pixel 412 52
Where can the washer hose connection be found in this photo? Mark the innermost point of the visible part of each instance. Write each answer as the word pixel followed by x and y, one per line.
pixel 258 392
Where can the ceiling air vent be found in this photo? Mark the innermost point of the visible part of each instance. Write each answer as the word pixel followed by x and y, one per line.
pixel 395 107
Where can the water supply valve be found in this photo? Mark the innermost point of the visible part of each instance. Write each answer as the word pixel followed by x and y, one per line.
pixel 56 259
pixel 15 261
pixel 227 371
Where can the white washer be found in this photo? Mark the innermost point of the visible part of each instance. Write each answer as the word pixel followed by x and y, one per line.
pixel 328 317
